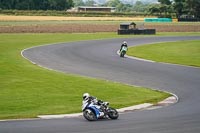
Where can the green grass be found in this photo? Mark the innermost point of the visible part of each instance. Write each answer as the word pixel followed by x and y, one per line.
pixel 182 52
pixel 177 34
pixel 27 90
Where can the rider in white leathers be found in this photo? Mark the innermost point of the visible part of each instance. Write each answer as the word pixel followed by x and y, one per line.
pixel 87 99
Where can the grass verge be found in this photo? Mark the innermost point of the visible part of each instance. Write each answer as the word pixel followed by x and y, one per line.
pixel 27 90
pixel 182 52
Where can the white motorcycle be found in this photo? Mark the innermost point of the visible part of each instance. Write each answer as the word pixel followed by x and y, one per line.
pixel 123 51
pixel 93 112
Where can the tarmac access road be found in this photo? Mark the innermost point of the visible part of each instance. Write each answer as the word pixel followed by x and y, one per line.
pixel 99 59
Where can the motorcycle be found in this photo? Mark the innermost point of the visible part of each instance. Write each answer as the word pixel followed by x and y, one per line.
pixel 123 51
pixel 93 112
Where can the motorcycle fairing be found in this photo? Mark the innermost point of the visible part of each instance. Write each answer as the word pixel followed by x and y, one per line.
pixel 95 110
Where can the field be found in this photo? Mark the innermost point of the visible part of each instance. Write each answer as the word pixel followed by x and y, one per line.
pixel 50 24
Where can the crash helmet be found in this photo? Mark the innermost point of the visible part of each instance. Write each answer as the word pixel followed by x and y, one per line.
pixel 125 43
pixel 86 96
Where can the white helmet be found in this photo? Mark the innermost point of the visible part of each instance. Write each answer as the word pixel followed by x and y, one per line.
pixel 125 43
pixel 86 96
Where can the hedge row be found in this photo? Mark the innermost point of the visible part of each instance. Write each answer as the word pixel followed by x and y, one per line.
pixel 64 13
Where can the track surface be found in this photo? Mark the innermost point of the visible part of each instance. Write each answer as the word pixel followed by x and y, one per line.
pixel 99 59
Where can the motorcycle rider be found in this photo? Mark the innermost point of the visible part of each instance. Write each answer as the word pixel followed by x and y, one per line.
pixel 87 99
pixel 124 44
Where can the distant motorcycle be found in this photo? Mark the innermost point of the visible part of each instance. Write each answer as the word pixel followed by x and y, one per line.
pixel 92 112
pixel 123 51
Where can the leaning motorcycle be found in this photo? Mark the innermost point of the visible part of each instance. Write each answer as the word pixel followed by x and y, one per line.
pixel 123 51
pixel 92 112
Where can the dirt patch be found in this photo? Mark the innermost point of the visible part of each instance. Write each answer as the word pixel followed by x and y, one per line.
pixel 90 28
pixel 175 28
pixel 66 28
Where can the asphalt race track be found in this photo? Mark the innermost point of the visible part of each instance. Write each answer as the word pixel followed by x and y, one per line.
pixel 99 59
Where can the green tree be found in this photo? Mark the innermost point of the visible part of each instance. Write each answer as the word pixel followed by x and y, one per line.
pixel 154 9
pixel 61 5
pixel 120 7
pixel 166 2
pixel 36 4
pixel 194 7
pixel 78 3
pixel 69 4
pixel 187 7
pixel 179 7
pixel 140 7
pixel 7 4
pixel 22 5
pixel 113 3
pixel 90 3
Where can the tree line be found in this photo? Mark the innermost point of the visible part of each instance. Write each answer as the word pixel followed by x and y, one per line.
pixel 36 4
pixel 179 7
pixel 163 8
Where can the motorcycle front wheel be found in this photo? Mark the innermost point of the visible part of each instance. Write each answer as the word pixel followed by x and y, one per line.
pixel 112 113
pixel 122 54
pixel 89 115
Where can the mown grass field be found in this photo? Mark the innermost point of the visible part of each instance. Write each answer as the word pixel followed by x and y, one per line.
pixel 27 90
pixel 9 20
pixel 182 52
pixel 57 18
pixel 6 20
